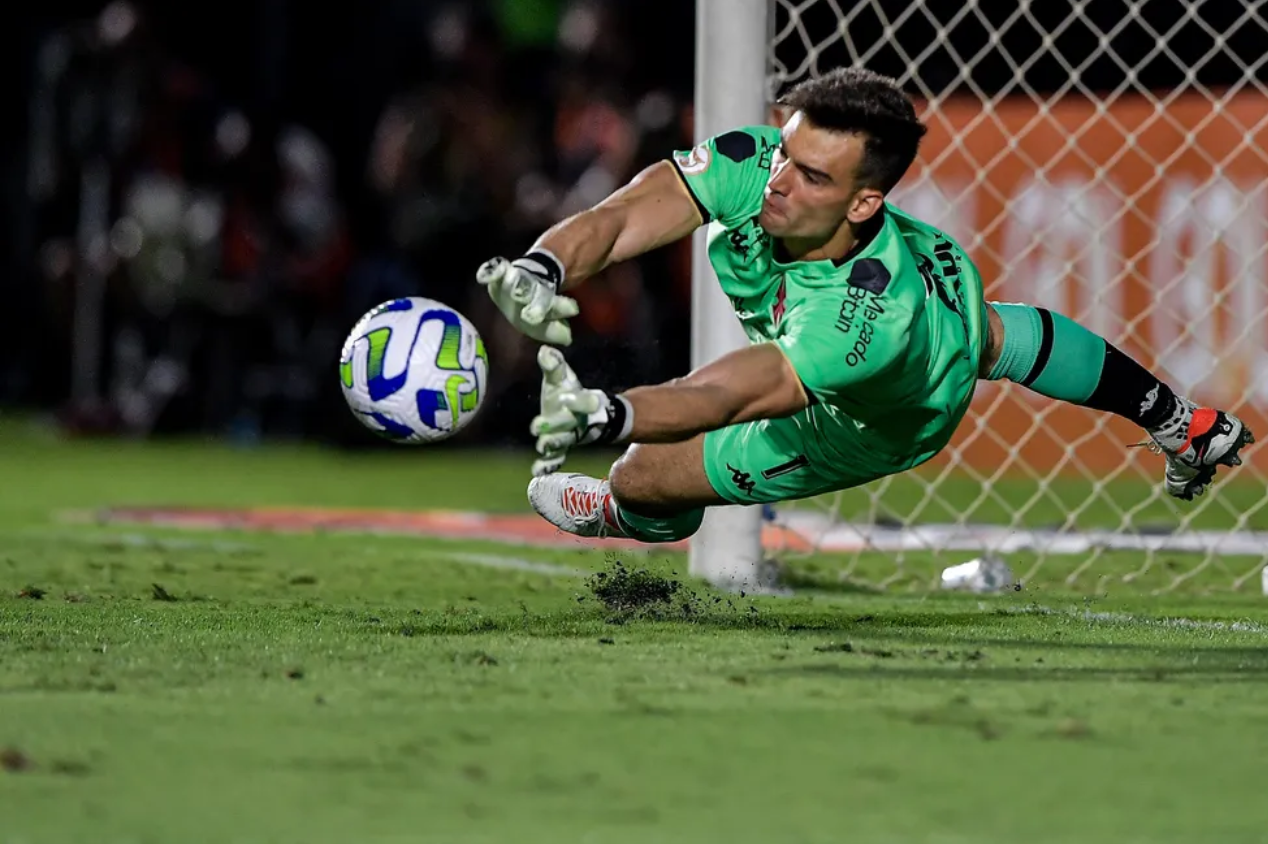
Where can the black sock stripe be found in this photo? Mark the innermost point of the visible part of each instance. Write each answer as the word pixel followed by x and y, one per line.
pixel 1107 385
pixel 1045 347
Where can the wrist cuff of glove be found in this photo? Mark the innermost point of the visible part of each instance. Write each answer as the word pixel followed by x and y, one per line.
pixel 620 421
pixel 543 264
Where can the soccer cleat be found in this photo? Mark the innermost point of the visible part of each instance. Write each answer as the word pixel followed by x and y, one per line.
pixel 1213 439
pixel 576 503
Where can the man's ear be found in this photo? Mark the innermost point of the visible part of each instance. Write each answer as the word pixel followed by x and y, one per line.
pixel 865 205
pixel 777 115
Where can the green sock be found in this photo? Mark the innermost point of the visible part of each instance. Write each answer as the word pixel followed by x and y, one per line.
pixel 1049 353
pixel 658 528
pixel 1056 357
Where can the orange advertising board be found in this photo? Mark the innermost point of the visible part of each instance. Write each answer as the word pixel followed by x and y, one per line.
pixel 1145 219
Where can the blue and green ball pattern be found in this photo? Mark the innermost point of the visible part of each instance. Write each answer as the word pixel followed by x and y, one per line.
pixel 439 411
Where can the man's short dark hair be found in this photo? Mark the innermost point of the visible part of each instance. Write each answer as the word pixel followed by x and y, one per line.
pixel 851 99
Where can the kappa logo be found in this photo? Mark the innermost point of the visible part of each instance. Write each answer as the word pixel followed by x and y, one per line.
pixel 1151 398
pixel 742 480
pixel 695 160
pixel 748 240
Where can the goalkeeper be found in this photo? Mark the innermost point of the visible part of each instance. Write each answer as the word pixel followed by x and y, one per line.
pixel 868 330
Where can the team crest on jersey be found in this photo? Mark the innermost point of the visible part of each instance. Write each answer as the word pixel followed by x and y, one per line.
pixel 693 161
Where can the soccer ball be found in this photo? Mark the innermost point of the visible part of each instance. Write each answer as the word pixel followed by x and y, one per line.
pixel 414 370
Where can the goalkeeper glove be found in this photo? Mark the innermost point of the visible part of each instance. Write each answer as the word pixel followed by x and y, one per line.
pixel 571 415
pixel 526 291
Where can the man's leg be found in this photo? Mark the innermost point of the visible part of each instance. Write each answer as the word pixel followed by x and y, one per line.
pixel 1056 357
pixel 657 493
pixel 654 493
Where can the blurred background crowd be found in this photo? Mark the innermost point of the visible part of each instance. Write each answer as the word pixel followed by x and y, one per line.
pixel 201 199
pixel 198 200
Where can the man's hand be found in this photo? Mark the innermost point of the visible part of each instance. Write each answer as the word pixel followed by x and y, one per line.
pixel 572 415
pixel 654 209
pixel 526 292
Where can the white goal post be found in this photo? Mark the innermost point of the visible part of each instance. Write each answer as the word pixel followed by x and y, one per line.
pixel 1105 159
pixel 731 42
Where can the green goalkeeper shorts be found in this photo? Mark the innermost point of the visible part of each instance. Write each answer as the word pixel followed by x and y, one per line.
pixel 782 459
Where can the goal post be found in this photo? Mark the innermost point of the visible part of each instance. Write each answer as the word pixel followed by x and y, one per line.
pixel 730 90
pixel 1108 160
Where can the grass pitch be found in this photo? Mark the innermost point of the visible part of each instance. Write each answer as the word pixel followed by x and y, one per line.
pixel 209 687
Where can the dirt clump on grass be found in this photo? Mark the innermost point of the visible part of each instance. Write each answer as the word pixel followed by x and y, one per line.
pixel 628 594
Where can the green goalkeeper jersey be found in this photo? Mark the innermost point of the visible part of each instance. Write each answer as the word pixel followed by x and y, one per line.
pixel 886 341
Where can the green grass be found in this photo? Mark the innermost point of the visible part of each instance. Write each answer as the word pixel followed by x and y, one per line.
pixel 205 687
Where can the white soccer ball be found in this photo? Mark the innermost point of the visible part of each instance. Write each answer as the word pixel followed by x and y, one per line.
pixel 414 370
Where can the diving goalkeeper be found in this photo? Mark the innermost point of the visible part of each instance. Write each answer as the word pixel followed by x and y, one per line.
pixel 868 329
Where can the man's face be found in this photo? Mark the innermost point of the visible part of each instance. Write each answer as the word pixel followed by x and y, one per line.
pixel 812 187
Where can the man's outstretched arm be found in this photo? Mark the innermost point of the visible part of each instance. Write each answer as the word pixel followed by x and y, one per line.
pixel 653 209
pixel 757 382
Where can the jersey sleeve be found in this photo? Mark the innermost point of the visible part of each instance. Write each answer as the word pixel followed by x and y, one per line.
pixel 839 345
pixel 727 173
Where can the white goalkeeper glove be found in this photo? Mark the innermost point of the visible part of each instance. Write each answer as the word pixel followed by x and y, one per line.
pixel 526 291
pixel 571 415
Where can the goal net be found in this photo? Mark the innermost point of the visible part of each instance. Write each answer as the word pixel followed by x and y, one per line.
pixel 1106 160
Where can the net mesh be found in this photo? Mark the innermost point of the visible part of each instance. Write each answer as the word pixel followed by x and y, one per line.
pixel 1106 160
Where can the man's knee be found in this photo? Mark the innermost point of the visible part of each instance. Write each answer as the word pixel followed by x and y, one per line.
pixel 993 342
pixel 632 482
pixel 661 480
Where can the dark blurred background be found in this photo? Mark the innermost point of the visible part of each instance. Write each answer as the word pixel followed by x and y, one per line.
pixel 200 199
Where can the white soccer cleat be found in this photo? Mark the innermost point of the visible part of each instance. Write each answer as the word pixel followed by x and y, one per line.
pixel 1213 439
pixel 576 503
